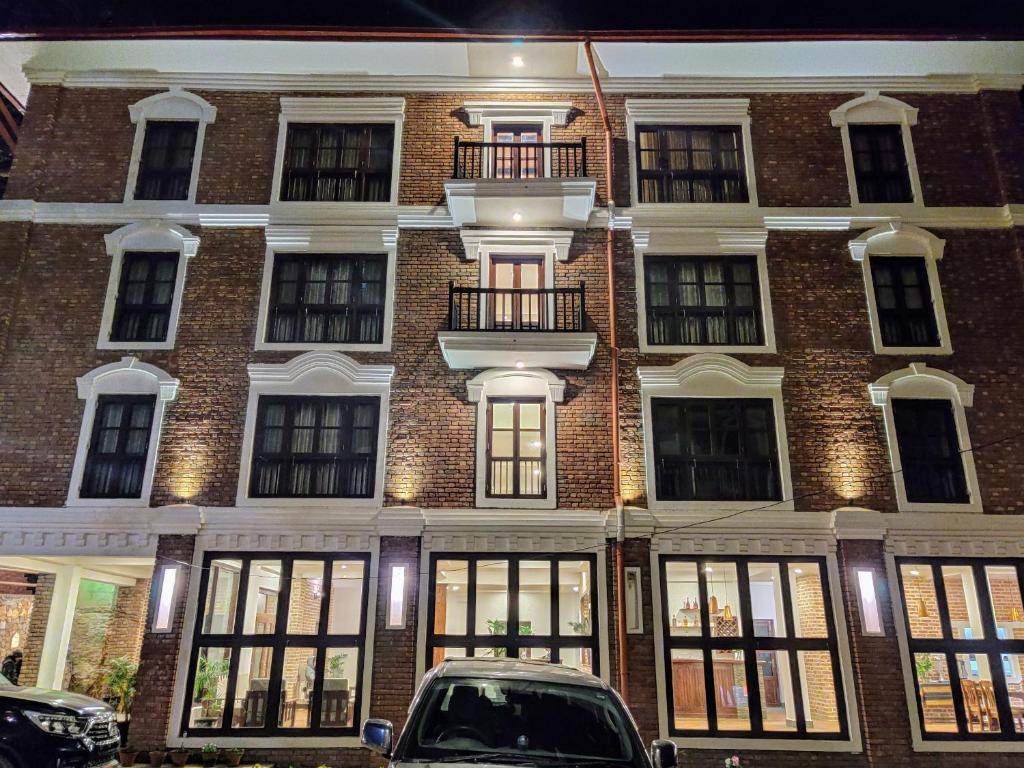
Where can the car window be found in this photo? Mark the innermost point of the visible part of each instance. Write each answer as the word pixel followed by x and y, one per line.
pixel 514 719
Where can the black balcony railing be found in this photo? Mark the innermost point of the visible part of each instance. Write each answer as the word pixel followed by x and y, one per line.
pixel 497 160
pixel 707 479
pixel 516 309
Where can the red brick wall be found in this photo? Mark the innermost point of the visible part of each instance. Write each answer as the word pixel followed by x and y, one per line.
pixel 32 646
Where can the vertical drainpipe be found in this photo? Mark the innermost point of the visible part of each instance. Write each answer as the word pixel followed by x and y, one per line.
pixel 620 519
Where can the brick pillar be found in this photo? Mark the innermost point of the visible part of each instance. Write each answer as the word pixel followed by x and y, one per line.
pixel 32 645
pixel 128 624
pixel 158 660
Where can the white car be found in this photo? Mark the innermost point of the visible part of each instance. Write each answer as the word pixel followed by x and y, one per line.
pixel 522 713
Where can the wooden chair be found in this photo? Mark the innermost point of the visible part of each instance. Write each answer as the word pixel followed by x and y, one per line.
pixel 989 708
pixel 972 704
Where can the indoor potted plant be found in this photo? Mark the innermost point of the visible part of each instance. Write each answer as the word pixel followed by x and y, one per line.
pixel 232 756
pixel 126 755
pixel 211 754
pixel 179 756
pixel 157 757
pixel 119 680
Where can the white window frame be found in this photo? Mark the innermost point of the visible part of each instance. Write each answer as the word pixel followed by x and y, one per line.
pixel 703 242
pixel 550 244
pixel 486 113
pixel 330 109
pixel 874 109
pixel 310 374
pixel 691 112
pixel 328 240
pixel 708 375
pixel 401 622
pixel 896 239
pixel 158 594
pixel 128 376
pixel 511 382
pixel 145 236
pixel 174 104
pixel 921 382
pixel 634 592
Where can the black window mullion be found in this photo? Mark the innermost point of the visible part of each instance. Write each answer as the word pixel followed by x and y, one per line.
pixel 471 601
pixel 316 695
pixel 705 630
pixel 512 625
pixel 556 651
pixel 995 658
pixel 794 662
pixel 280 640
pixel 947 636
pixel 750 653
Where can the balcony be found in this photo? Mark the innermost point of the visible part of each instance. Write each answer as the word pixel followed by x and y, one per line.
pixel 517 328
pixel 528 184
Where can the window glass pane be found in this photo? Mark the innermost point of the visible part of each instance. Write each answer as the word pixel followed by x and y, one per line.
pixel 535 654
pixel 979 696
pixel 920 601
pixel 820 710
pixel 935 692
pixel 490 653
pixel 450 597
pixel 808 602
pixel 689 700
pixel 221 597
pixel 1004 590
pixel 341 676
pixel 574 598
pixel 577 658
pixel 209 688
pixel 1013 669
pixel 306 594
pixel 251 688
pixel 298 678
pixel 731 690
pixel 492 597
pixel 440 654
pixel 344 617
pixel 778 711
pixel 534 597
pixel 262 596
pixel 962 602
pixel 766 605
pixel 683 598
pixel 723 599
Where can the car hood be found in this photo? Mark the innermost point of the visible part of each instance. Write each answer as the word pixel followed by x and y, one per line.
pixel 41 698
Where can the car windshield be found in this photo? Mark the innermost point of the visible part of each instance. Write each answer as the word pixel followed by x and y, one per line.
pixel 519 722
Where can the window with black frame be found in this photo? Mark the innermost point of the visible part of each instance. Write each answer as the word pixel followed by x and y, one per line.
pixel 315 447
pixel 534 606
pixel 329 162
pixel 145 294
pixel 702 300
pixel 690 164
pixel 516 448
pixel 930 457
pixel 880 164
pixel 750 649
pixel 115 466
pixel 165 166
pixel 965 636
pixel 715 449
pixel 327 299
pixel 278 648
pixel 903 298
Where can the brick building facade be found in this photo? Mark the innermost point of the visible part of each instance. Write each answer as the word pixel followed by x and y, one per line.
pixel 857 602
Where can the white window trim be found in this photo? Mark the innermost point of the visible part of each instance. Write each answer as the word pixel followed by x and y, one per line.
pixel 482 244
pixel 487 113
pixel 511 382
pixel 691 112
pixel 707 375
pixel 920 382
pixel 174 104
pixel 331 109
pixel 316 373
pixel 328 240
pixel 128 376
pixel 149 236
pixel 703 242
pixel 873 108
pixel 896 239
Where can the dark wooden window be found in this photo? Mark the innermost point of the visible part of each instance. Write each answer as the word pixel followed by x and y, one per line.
pixel 880 164
pixel 523 606
pixel 116 463
pixel 933 467
pixel 715 449
pixel 750 648
pixel 966 652
pixel 327 298
pixel 321 447
pixel 903 298
pixel 702 300
pixel 144 297
pixel 165 168
pixel 278 646
pixel 338 163
pixel 690 164
pixel 516 448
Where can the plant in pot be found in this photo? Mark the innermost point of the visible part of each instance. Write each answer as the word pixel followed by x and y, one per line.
pixel 119 680
pixel 209 673
pixel 180 757
pixel 232 756
pixel 211 754
pixel 157 757
pixel 127 756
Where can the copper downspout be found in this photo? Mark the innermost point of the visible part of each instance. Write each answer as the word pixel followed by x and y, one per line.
pixel 620 531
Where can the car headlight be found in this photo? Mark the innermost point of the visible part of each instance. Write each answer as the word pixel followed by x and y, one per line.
pixel 59 725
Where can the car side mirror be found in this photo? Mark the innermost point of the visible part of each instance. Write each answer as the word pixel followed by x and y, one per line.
pixel 377 736
pixel 663 754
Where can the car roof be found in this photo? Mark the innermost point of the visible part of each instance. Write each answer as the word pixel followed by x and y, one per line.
pixel 517 669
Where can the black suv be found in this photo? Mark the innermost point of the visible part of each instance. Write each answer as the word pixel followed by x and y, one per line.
pixel 54 729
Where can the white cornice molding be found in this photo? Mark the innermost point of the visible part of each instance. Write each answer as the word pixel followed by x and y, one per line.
pixel 724 240
pixel 701 110
pixel 349 238
pixel 340 364
pixel 477 386
pixel 128 375
pixel 151 235
pixel 872 107
pixel 324 108
pixel 898 239
pixel 174 104
pixel 555 111
pixel 677 374
pixel 947 382
pixel 478 242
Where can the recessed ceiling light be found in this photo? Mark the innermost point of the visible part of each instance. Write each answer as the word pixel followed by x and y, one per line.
pixel 798 570
pixel 517 216
pixel 707 569
pixel 520 364
pixel 455 587
pixel 517 61
pixel 915 573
